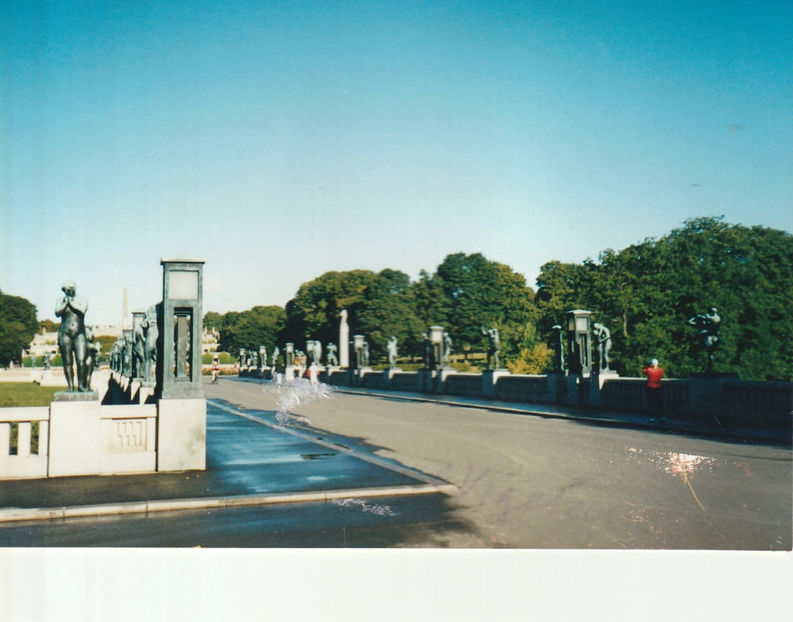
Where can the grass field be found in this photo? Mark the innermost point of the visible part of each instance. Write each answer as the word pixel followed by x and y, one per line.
pixel 25 394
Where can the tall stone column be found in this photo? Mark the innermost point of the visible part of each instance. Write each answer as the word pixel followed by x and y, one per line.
pixel 344 340
pixel 181 410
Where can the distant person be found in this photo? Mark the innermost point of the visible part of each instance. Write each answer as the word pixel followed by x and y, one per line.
pixel 654 374
pixel 215 370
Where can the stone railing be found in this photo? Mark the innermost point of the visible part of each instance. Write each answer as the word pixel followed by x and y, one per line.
pixel 29 428
pixel 405 381
pixel 764 404
pixel 372 379
pixel 722 401
pixel 522 388
pixel 465 384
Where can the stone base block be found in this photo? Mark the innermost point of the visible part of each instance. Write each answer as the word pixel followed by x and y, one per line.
pixel 181 434
pixel 74 435
pixel 490 378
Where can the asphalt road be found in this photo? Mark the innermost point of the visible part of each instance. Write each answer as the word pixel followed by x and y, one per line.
pixel 523 481
pixel 530 482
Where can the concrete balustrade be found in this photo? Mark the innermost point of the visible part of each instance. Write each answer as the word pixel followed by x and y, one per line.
pixel 722 400
pixel 25 463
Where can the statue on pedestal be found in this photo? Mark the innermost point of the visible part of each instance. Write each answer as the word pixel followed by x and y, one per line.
pixel 446 356
pixel 151 333
pixel 707 325
pixel 392 352
pixel 72 340
pixel 332 361
pixel 602 338
pixel 493 346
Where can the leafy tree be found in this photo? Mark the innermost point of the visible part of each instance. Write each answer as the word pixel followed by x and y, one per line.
pixel 314 311
pixel 17 326
pixel 388 309
pixel 259 326
pixel 212 319
pixel 646 293
pixel 468 292
pixel 49 326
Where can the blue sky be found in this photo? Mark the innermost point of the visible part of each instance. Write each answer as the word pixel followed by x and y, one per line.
pixel 280 140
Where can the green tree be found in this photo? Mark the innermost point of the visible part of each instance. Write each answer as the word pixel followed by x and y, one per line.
pixel 646 293
pixel 468 292
pixel 314 311
pixel 388 309
pixel 17 326
pixel 212 319
pixel 258 326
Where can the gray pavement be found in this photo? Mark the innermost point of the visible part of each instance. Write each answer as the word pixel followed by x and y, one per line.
pixel 558 481
pixel 523 476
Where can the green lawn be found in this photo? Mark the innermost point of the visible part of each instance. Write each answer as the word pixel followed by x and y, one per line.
pixel 26 394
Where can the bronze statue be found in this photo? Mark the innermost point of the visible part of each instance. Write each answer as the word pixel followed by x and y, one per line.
pixel 72 341
pixel 392 352
pixel 707 325
pixel 332 361
pixel 446 357
pixel 602 336
pixel 427 351
pixel 94 350
pixel 492 347
pixel 151 334
pixel 558 343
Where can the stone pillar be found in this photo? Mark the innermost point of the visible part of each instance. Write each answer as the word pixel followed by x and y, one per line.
pixel 74 434
pixel 182 328
pixel 436 344
pixel 579 340
pixel 556 387
pixel 289 362
pixel 358 346
pixel 489 379
pixel 344 340
pixel 181 410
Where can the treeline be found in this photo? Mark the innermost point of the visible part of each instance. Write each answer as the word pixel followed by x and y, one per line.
pixel 644 294
pixel 18 325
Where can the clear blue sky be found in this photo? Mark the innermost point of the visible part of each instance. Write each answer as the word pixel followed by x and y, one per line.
pixel 280 140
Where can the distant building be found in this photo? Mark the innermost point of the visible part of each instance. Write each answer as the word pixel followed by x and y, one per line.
pixel 47 342
pixel 43 343
pixel 209 340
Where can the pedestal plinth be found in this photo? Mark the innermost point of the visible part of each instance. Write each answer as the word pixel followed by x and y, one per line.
pixel 181 434
pixel 74 434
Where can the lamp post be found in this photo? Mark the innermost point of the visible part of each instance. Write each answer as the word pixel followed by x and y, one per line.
pixel 436 345
pixel 579 340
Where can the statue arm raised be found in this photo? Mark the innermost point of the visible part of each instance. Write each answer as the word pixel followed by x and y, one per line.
pixel 61 305
pixel 79 304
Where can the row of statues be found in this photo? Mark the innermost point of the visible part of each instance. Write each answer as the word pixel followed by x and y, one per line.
pixel 135 353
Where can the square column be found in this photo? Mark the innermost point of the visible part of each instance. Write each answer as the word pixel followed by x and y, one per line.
pixel 180 372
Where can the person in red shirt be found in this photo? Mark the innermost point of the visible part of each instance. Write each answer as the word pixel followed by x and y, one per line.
pixel 654 374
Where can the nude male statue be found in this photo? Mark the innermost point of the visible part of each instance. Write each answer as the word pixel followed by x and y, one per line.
pixel 72 340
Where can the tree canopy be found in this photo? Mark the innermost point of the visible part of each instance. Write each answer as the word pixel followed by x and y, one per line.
pixel 17 326
pixel 647 292
pixel 259 326
pixel 644 294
